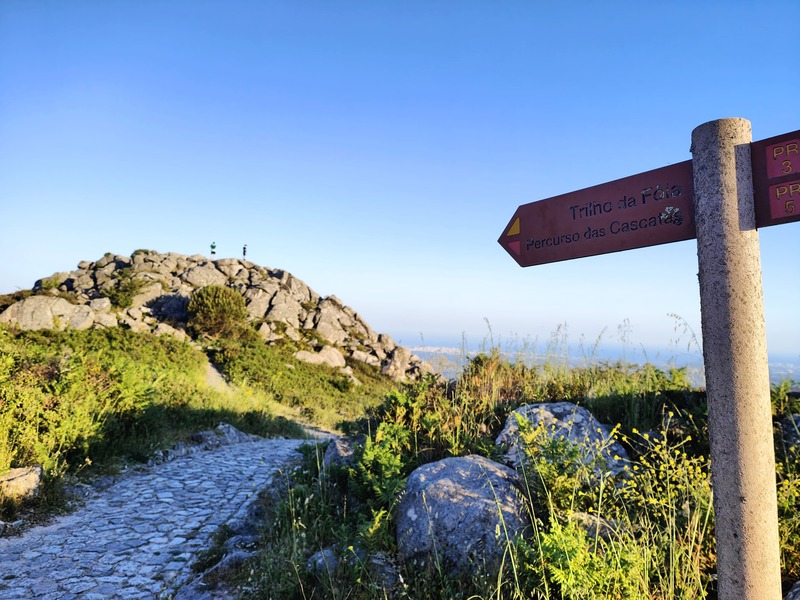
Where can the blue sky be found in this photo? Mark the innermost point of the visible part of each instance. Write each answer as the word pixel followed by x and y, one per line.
pixel 377 150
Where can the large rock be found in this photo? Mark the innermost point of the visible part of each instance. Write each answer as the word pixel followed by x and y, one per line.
pixel 170 307
pixel 331 321
pixel 794 593
pixel 285 307
pixel 147 294
pixel 258 301
pixel 397 364
pixel 100 305
pixel 451 513
pixel 327 356
pixel 47 312
pixel 568 421
pixel 21 483
pixel 203 275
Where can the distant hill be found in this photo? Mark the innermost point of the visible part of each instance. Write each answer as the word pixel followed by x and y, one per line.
pixel 149 291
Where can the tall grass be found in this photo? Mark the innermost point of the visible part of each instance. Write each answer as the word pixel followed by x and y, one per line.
pixel 645 533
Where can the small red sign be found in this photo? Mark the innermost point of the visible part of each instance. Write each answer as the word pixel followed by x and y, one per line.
pixel 784 199
pixel 783 159
pixel 642 210
pixel 776 186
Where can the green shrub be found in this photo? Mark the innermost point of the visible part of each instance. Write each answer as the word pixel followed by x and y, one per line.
pixel 51 283
pixel 784 402
pixel 789 510
pixel 124 289
pixel 216 311
pixel 380 473
pixel 72 400
pixel 317 393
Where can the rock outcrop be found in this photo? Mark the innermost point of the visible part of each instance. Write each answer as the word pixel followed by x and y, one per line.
pixel 461 512
pixel 342 452
pixel 794 593
pixel 452 510
pixel 44 312
pixel 149 291
pixel 567 421
pixel 21 483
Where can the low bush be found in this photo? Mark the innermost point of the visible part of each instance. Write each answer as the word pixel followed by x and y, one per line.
pixel 216 311
pixel 124 288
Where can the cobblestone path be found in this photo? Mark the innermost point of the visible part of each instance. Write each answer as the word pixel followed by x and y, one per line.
pixel 138 537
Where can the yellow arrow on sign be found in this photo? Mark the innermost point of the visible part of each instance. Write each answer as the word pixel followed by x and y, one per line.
pixel 514 230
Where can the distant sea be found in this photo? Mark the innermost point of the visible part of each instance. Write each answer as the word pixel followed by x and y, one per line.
pixel 450 360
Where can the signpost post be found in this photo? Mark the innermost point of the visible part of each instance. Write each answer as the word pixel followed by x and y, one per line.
pixel 735 357
pixel 730 188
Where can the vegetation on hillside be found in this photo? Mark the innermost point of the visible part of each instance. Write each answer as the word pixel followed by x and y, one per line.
pixel 77 400
pixel 658 515
pixel 82 401
pixel 318 394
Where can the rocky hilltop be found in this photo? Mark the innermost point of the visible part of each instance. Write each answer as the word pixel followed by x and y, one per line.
pixel 149 291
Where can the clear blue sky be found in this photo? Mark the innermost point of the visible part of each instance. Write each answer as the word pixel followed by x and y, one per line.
pixel 377 150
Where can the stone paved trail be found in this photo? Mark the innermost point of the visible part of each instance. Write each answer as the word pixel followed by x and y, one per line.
pixel 138 537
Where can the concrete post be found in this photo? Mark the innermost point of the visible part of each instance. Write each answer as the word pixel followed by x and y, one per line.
pixel 735 353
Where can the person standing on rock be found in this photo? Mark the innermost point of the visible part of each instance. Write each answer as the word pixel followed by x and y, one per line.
pixel 244 252
pixel 213 250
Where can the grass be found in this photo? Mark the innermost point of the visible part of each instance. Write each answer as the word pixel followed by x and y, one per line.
pixel 78 402
pixel 318 394
pixel 81 402
pixel 647 533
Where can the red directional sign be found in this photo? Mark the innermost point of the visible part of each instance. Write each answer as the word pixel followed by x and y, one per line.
pixel 776 179
pixel 647 209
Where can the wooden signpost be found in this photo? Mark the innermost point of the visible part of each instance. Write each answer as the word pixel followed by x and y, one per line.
pixel 656 207
pixel 642 210
pixel 729 189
